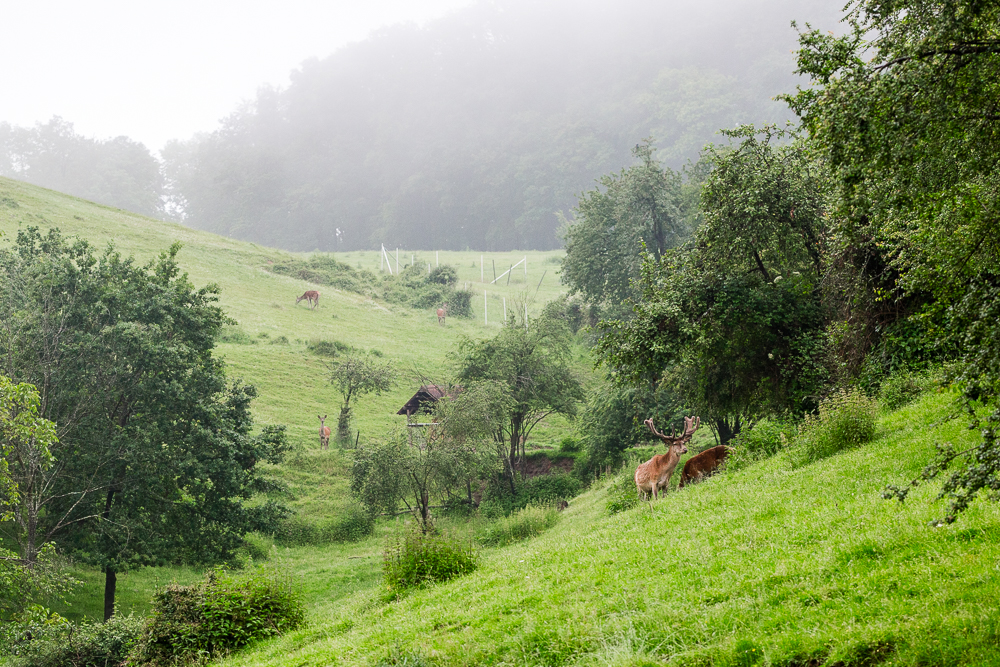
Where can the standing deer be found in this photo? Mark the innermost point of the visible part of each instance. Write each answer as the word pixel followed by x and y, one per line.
pixel 324 433
pixel 442 312
pixel 312 296
pixel 702 465
pixel 655 473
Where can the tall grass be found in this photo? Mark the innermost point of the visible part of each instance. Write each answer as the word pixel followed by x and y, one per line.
pixel 846 419
pixel 526 523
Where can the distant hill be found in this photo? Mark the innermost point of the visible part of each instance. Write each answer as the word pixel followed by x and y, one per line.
pixel 478 129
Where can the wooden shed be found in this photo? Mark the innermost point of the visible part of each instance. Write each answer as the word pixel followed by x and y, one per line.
pixel 424 400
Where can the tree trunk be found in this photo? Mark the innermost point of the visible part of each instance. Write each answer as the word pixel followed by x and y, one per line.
pixel 727 430
pixel 110 582
pixel 344 423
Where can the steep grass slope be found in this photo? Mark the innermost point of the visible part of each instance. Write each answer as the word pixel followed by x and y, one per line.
pixel 766 566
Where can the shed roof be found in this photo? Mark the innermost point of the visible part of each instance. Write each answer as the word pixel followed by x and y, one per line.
pixel 428 393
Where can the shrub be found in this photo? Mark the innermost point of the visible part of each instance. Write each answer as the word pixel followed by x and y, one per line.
pixel 846 419
pixel 280 340
pixel 570 444
pixel 224 613
pixel 766 438
pixel 445 274
pixel 522 525
pixel 84 645
pixel 328 348
pixel 902 388
pixel 417 559
pixel 622 494
pixel 544 489
pixel 460 303
pixel 235 336
pixel 353 525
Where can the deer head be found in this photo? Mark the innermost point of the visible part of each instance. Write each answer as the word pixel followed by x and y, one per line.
pixel 691 425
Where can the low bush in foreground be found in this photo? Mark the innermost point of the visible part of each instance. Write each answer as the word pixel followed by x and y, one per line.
pixel 89 644
pixel 902 388
pixel 224 613
pixel 415 559
pixel 527 523
pixel 622 494
pixel 846 419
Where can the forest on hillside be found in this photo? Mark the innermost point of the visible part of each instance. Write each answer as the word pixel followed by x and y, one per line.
pixel 478 130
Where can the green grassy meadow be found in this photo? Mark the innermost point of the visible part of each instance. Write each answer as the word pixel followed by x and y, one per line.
pixel 771 565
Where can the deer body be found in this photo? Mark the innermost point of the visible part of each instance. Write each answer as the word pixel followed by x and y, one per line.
pixel 312 296
pixel 702 465
pixel 442 312
pixel 655 473
pixel 324 433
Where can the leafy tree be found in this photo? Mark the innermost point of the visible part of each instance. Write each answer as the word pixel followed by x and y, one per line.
pixel 433 461
pixel 155 457
pixel 640 207
pixel 734 321
pixel 355 376
pixel 528 365
pixel 903 109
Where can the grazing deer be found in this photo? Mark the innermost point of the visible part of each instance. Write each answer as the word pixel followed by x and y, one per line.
pixel 312 296
pixel 655 473
pixel 442 312
pixel 702 465
pixel 324 433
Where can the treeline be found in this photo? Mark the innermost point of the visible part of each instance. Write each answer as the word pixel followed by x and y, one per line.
pixel 475 131
pixel 857 249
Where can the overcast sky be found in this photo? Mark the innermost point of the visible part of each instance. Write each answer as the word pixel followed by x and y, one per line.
pixel 156 70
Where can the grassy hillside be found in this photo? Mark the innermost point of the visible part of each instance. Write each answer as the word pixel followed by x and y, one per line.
pixel 766 566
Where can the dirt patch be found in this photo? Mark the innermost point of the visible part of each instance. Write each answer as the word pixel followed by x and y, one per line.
pixel 542 465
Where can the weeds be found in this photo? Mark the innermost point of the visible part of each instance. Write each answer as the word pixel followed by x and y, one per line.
pixel 524 524
pixel 415 559
pixel 846 419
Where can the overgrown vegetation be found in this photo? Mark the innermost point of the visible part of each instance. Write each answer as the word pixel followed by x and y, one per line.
pixel 417 558
pixel 89 644
pixel 846 419
pixel 523 524
pixel 765 439
pixel 224 613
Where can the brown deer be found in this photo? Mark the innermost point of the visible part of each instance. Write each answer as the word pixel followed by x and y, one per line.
pixel 312 296
pixel 702 465
pixel 655 473
pixel 442 312
pixel 324 433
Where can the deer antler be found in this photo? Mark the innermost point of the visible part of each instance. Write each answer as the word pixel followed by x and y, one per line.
pixel 691 425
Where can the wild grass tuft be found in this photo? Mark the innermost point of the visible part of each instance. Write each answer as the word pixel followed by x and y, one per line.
pixel 412 559
pixel 846 419
pixel 522 525
pixel 765 439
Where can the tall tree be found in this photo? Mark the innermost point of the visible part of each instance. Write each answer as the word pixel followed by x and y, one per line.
pixel 355 376
pixel 903 107
pixel 155 455
pixel 528 365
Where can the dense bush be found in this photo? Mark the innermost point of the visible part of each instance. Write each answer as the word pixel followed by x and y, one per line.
pixel 416 559
pixel 445 274
pixel 353 525
pixel 460 304
pixel 521 525
pixel 766 438
pixel 224 613
pixel 622 494
pixel 846 419
pixel 541 490
pixel 325 270
pixel 84 645
pixel 328 348
pixel 901 388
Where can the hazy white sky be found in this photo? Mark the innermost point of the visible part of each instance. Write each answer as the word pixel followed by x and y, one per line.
pixel 156 70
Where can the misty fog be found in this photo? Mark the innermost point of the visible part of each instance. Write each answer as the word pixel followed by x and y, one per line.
pixel 477 130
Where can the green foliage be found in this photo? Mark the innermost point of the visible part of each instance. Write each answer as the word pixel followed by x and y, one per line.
pixel 764 439
pixel 88 644
pixel 234 335
pixel 416 558
pixel 157 456
pixel 329 348
pixel 902 388
pixel 354 524
pixel 324 269
pixel 541 490
pixel 622 492
pixel 460 303
pixel 445 274
pixel 528 368
pixel 524 524
pixel 570 444
pixel 640 208
pixel 355 376
pixel 846 419
pixel 222 614
pixel 733 322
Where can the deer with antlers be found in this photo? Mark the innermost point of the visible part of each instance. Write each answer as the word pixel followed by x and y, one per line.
pixel 324 433
pixel 655 473
pixel 312 296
